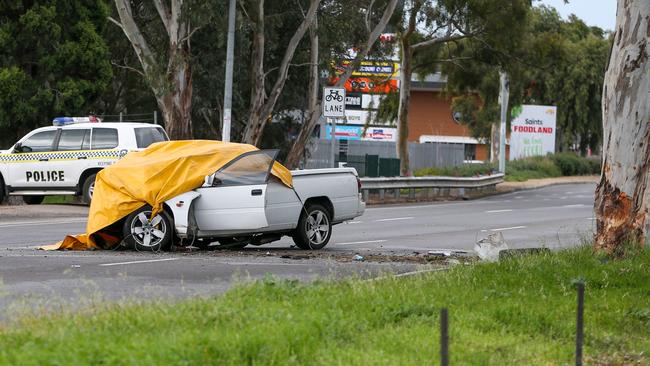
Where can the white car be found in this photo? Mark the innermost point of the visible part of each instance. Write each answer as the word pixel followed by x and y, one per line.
pixel 243 204
pixel 63 159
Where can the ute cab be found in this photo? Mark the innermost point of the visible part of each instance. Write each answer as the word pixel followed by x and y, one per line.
pixel 64 158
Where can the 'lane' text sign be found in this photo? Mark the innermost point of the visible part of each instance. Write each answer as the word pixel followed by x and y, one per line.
pixel 333 102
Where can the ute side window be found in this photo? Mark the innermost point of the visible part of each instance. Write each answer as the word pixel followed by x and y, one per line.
pixel 146 136
pixel 251 168
pixel 104 138
pixel 73 140
pixel 40 141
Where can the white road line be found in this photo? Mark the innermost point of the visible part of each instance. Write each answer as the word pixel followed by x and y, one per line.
pixel 496 211
pixel 354 222
pixel 361 242
pixel 578 205
pixel 138 262
pixel 590 218
pixel 504 228
pixel 395 219
pixel 44 222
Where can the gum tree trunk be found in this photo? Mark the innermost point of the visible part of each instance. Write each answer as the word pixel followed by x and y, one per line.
pixel 622 196
pixel 262 105
pixel 172 85
pixel 402 144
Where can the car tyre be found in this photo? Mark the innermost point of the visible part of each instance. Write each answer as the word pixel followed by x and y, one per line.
pixel 88 189
pixel 33 200
pixel 2 190
pixel 145 235
pixel 314 228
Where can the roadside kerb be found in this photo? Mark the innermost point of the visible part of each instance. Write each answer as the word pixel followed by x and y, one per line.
pixel 509 187
pixel 428 188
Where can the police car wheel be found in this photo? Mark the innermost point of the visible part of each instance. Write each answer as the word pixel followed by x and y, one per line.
pixel 145 235
pixel 2 190
pixel 33 200
pixel 88 188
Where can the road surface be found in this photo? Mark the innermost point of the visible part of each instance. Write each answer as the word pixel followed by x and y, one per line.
pixel 555 217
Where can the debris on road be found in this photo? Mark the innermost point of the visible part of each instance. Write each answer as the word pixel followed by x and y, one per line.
pixel 488 249
pixel 358 258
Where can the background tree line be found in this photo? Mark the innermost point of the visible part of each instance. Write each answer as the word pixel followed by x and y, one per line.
pixel 133 57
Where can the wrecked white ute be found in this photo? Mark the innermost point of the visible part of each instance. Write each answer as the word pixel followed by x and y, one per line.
pixel 243 204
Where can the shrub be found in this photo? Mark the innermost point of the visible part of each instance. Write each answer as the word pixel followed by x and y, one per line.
pixel 536 167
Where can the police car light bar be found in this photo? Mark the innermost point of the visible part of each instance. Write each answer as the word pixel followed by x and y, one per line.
pixel 64 121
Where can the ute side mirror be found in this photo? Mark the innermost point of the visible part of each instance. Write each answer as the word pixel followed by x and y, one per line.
pixel 207 182
pixel 18 148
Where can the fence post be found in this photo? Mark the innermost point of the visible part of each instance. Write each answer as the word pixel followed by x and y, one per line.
pixel 444 337
pixel 580 323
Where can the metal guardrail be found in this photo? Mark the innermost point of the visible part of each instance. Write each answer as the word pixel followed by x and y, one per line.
pixel 439 185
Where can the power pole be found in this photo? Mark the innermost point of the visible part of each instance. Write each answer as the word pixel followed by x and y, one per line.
pixel 227 94
pixel 503 99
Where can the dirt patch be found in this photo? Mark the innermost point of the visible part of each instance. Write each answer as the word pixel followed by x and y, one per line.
pixel 342 256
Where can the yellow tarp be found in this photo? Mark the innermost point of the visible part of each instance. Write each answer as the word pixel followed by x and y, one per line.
pixel 152 176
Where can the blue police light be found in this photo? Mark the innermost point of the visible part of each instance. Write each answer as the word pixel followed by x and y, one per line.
pixel 64 121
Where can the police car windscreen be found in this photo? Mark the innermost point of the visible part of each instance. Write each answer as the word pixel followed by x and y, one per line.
pixel 146 136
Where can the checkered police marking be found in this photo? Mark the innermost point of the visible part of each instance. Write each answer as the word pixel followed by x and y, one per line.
pixel 62 156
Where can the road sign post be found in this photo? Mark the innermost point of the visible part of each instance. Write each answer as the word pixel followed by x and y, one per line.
pixel 333 108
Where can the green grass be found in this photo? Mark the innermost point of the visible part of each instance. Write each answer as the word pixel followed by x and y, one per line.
pixel 516 312
pixel 58 199
pixel 549 166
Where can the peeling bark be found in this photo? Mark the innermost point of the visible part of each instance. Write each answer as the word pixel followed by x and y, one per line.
pixel 622 197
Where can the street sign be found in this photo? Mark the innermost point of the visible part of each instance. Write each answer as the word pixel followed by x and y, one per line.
pixel 333 102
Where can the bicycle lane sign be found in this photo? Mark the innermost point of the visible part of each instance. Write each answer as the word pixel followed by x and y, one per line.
pixel 333 102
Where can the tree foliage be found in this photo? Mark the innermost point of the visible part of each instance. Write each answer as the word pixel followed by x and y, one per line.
pixel 558 63
pixel 53 61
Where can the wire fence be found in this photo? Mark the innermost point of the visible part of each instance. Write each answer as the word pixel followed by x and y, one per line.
pixel 580 309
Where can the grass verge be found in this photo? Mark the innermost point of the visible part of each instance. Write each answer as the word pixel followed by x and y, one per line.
pixel 516 312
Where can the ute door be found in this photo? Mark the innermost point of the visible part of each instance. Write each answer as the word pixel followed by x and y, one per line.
pixel 234 198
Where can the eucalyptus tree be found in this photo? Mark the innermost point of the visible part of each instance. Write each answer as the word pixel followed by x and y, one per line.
pixel 555 62
pixel 160 32
pixel 623 196
pixel 432 24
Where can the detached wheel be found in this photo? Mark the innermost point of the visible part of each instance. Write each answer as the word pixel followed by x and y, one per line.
pixel 88 189
pixel 147 235
pixel 33 200
pixel 314 228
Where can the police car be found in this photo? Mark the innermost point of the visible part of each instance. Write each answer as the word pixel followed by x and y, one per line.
pixel 63 159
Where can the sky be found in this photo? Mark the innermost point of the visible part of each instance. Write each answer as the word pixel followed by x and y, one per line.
pixel 601 13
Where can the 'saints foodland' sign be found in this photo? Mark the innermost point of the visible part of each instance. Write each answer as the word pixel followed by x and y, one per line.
pixel 532 131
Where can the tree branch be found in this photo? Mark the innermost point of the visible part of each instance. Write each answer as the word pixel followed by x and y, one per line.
pixel 361 55
pixel 288 56
pixel 164 13
pixel 132 32
pixel 432 42
pixel 129 68
pixel 368 13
